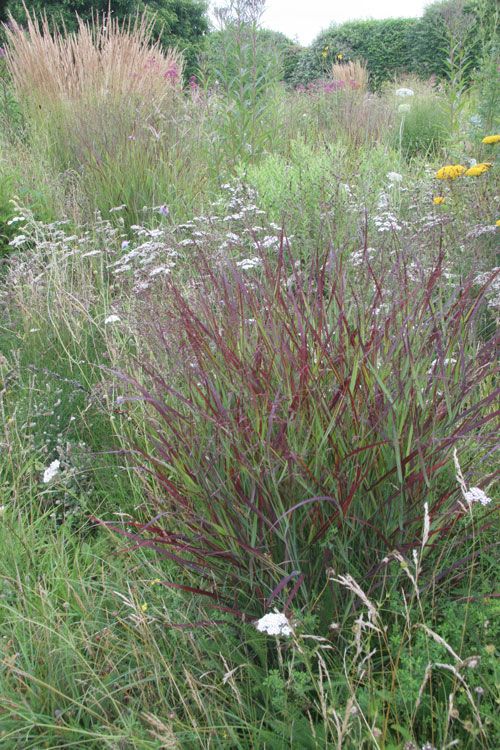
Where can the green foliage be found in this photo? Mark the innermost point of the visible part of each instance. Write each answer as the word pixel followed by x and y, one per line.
pixel 284 389
pixel 385 45
pixel 453 34
pixel 487 93
pixel 424 129
pixel 244 67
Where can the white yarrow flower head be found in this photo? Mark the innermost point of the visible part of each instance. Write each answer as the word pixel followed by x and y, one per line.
pixel 476 495
pixel 51 471
pixel 394 177
pixel 403 92
pixel 112 319
pixel 473 494
pixel 274 623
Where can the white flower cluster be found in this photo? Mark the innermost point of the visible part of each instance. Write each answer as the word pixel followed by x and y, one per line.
pixel 51 471
pixel 248 263
pixel 472 495
pixel 274 623
pixel 404 92
pixel 394 177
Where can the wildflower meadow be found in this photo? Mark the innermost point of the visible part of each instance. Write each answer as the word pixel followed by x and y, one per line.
pixel 249 402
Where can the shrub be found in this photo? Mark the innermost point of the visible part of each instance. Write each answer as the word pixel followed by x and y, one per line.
pixel 304 419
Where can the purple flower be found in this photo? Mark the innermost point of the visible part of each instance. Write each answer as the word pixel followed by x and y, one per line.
pixel 172 74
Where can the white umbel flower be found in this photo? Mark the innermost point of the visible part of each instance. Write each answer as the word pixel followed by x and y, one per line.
pixel 404 92
pixel 473 494
pixel 112 319
pixel 394 177
pixel 51 471
pixel 476 495
pixel 274 623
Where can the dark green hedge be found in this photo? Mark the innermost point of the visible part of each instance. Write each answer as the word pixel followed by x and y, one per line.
pixel 386 46
pixel 407 45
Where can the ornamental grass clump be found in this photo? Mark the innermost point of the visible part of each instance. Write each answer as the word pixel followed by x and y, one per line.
pixel 352 74
pixel 300 419
pixel 102 108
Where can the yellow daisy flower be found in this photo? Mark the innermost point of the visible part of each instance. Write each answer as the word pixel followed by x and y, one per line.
pixel 438 200
pixel 497 223
pixel 491 139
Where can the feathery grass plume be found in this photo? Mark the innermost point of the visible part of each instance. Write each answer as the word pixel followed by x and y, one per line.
pixel 105 59
pixel 102 108
pixel 352 74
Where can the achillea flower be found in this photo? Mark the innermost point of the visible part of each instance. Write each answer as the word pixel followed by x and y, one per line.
pixel 450 172
pixel 491 139
pixel 51 471
pixel 403 92
pixel 478 169
pixel 275 623
pixel 394 177
pixel 438 200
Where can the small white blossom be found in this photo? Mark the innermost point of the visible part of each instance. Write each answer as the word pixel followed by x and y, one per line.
pixel 112 319
pixel 249 263
pixel 51 471
pixel 404 109
pixel 403 92
pixel 394 177
pixel 274 623
pixel 476 495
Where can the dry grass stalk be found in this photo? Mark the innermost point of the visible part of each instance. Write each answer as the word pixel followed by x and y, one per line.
pixel 352 74
pixel 104 59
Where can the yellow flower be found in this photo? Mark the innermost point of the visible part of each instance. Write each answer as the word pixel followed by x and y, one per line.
pixel 478 169
pixel 438 200
pixel 340 56
pixel 450 172
pixel 144 607
pixel 497 223
pixel 491 139
pixel 155 580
